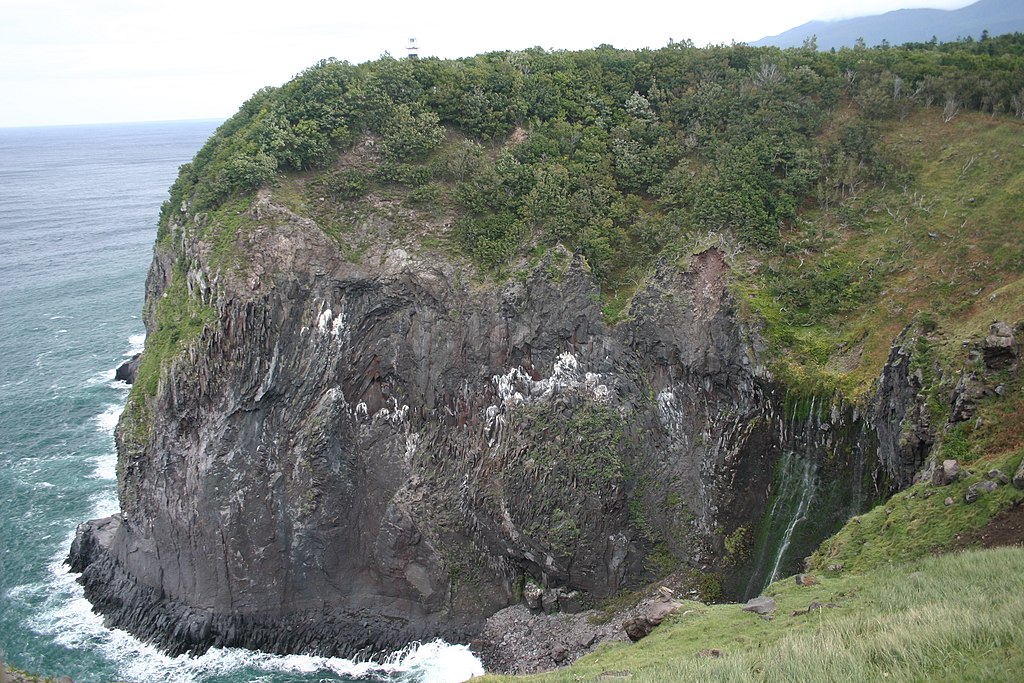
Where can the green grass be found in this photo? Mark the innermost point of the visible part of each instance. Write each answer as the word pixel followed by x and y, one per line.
pixel 955 617
pixel 917 522
pixel 180 318
pixel 942 240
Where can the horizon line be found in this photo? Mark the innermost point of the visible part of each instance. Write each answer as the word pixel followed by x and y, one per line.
pixel 113 123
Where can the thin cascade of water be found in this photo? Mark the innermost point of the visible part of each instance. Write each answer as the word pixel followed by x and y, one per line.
pixel 796 487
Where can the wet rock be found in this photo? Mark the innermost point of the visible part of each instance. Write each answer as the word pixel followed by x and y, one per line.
pixel 761 605
pixel 1000 348
pixel 126 371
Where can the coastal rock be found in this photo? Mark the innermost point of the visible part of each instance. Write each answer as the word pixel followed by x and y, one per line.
pixel 998 476
pixel 899 414
pixel 354 455
pixel 533 595
pixel 974 491
pixel 651 616
pixel 127 370
pixel 516 641
pixel 1018 476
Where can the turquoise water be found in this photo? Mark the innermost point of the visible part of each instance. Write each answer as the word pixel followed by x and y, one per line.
pixel 78 211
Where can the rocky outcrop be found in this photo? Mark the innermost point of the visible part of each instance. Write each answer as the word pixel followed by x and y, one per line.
pixel 353 455
pixel 126 371
pixel 899 414
pixel 1000 348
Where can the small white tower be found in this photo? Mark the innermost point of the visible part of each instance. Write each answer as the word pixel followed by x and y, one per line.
pixel 412 48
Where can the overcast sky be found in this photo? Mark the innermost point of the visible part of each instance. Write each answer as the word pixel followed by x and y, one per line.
pixel 104 61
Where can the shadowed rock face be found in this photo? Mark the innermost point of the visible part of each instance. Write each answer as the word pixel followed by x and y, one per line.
pixel 354 456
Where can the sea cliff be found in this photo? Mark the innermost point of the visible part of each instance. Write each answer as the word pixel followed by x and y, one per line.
pixel 351 456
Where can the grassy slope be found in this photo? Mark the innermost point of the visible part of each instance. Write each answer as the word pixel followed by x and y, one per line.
pixel 942 243
pixel 953 617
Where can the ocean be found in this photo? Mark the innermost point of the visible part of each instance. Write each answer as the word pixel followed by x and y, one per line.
pixel 78 213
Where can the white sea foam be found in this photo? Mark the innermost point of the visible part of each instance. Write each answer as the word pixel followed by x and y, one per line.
pixel 106 377
pixel 104 504
pixel 105 466
pixel 62 612
pixel 107 420
pixel 136 342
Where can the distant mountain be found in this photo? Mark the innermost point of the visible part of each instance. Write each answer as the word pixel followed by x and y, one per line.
pixel 908 25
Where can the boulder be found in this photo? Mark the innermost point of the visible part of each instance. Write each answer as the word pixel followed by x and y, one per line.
pixel 653 614
pixel 532 595
pixel 570 602
pixel 947 474
pixel 637 628
pixel 965 397
pixel 975 490
pixel 1000 347
pixel 1018 476
pixel 762 605
pixel 806 580
pixel 549 601
pixel 998 476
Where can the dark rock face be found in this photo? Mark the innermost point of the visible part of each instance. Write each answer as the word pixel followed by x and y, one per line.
pixel 354 456
pixel 899 415
pixel 126 371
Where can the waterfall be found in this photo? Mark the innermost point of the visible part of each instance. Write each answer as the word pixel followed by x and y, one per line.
pixel 798 488
pixel 794 489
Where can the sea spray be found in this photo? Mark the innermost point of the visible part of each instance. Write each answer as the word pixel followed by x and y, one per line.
pixel 62 612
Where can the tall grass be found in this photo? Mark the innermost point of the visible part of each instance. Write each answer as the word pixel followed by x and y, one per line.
pixel 954 618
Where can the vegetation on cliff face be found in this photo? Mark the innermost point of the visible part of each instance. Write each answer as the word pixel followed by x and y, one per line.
pixel 855 193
